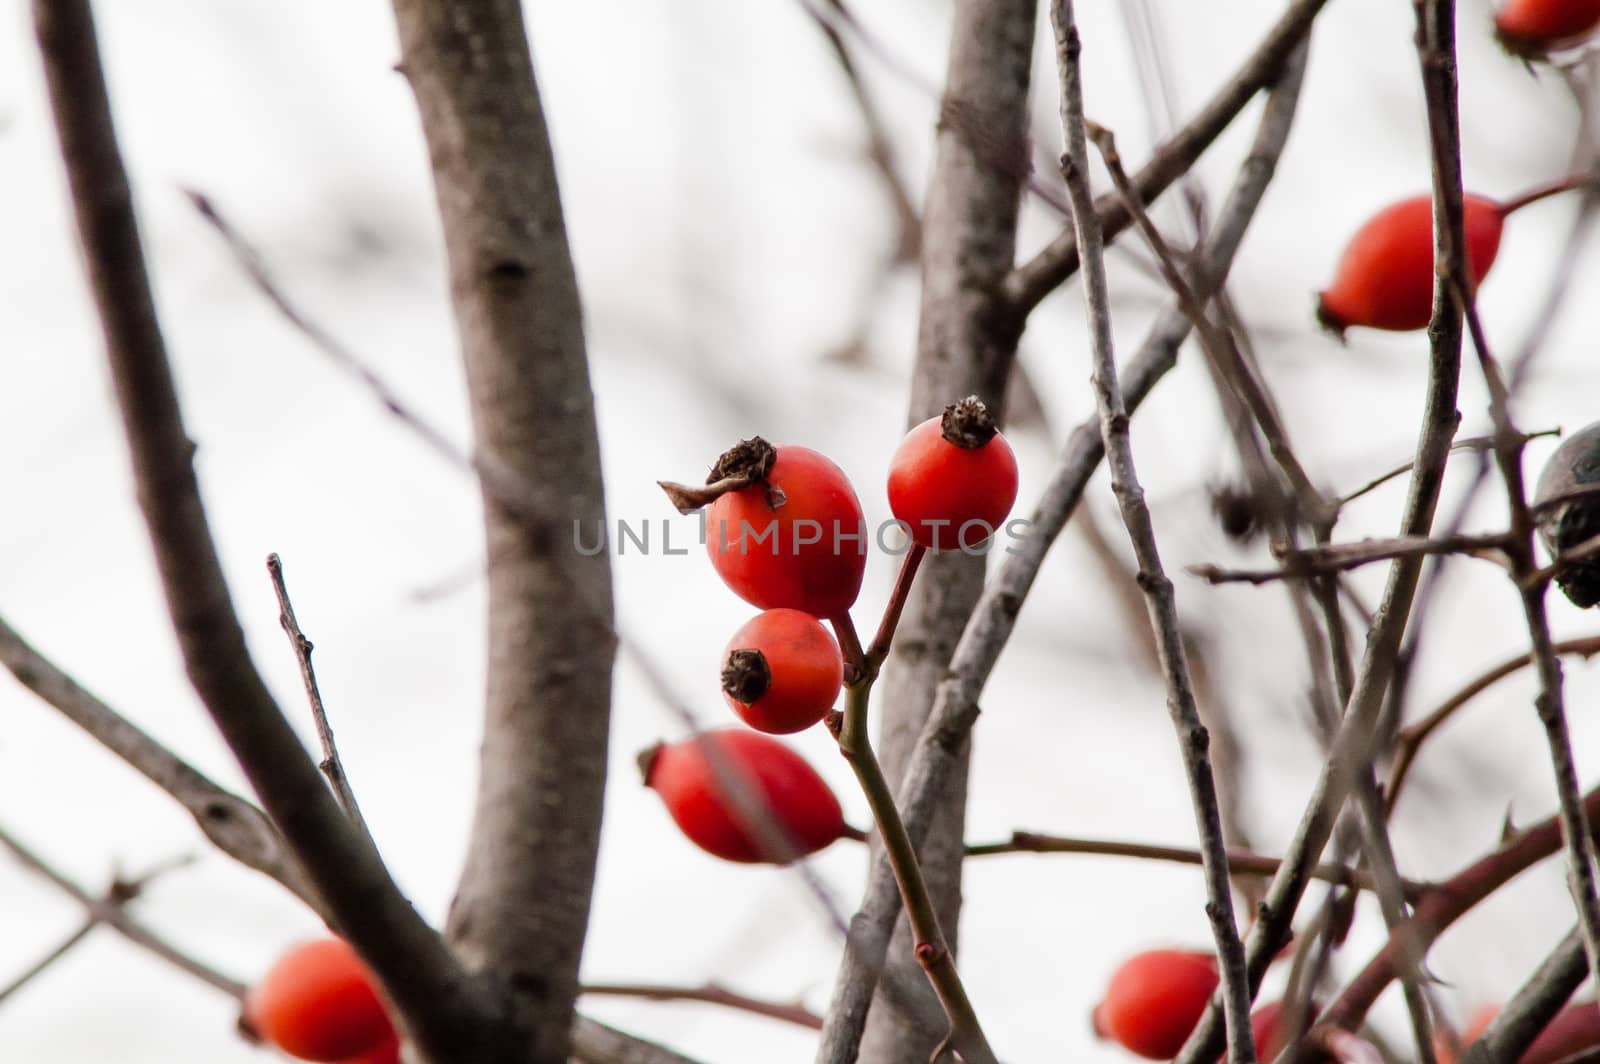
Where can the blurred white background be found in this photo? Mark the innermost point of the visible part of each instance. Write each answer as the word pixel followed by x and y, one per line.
pixel 730 237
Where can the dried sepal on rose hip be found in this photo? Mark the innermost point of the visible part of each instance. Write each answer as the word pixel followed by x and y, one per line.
pixel 803 812
pixel 320 1002
pixel 1532 29
pixel 1155 999
pixel 782 671
pixel 784 528
pixel 1566 516
pixel 953 479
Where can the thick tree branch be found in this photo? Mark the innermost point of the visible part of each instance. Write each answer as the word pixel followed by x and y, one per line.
pixel 416 969
pixel 522 906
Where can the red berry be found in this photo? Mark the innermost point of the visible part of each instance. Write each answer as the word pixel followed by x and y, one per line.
pixel 782 671
pixel 800 804
pixel 953 478
pixel 1155 999
pixel 794 538
pixel 1531 28
pixel 388 1053
pixel 1385 279
pixel 320 1002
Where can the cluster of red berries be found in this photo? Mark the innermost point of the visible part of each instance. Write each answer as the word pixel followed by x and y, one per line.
pixel 785 532
pixel 320 1002
pixel 1385 278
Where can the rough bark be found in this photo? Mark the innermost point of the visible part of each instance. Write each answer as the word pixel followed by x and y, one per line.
pixel 965 345
pixel 522 905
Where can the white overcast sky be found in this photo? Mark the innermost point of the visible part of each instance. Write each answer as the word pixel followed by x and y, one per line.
pixel 728 236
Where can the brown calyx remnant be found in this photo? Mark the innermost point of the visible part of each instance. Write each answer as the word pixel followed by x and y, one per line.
pixel 746 676
pixel 968 424
pixel 647 761
pixel 745 463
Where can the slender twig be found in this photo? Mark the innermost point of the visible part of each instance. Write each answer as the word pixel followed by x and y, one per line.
pixel 1545 191
pixel 1229 364
pixel 1219 344
pixel 330 764
pixel 111 911
pixel 1239 861
pixel 1468 443
pixel 955 707
pixel 232 824
pixel 1446 902
pixel 931 949
pixel 43 964
pixel 1153 580
pixel 879 150
pixel 710 994
pixel 421 976
pixel 1339 557
pixel 1037 278
pixel 1352 745
pixel 878 649
pixel 1549 701
pixel 1410 738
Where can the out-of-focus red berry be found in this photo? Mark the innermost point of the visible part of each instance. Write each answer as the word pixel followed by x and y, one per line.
pixel 800 804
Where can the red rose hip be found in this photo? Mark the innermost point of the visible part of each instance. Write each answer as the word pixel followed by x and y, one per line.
pixel 1155 1000
pixel 1385 279
pixel 320 1002
pixel 803 814
pixel 1532 28
pixel 793 536
pixel 782 671
pixel 954 478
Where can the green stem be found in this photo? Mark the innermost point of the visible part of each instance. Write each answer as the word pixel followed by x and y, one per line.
pixel 931 950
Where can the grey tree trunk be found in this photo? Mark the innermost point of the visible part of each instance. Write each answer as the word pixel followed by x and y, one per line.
pixel 522 905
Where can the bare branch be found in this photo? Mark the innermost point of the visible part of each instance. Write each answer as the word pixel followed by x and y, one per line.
pixel 330 764
pixel 233 824
pixel 1037 278
pixel 1153 581
pixel 536 824
pixel 419 974
pixel 43 964
pixel 935 759
pixel 1238 861
pixel 1412 736
pixel 1340 557
pixel 1445 903
pixel 710 994
pixel 1351 746
pixel 111 911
